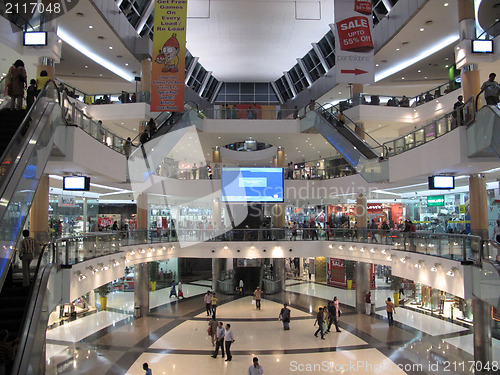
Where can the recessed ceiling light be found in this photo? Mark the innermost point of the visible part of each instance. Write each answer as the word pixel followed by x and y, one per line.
pixel 110 47
pixel 340 92
pixel 402 77
pixel 91 27
pixel 425 77
pixel 126 64
pixel 397 49
pixel 100 75
pixel 422 29
pixel 446 4
pixel 86 66
pixel 59 41
pixel 376 64
pixel 419 71
pixel 446 66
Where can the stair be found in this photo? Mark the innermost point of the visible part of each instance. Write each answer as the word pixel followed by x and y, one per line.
pixel 9 123
pixel 13 299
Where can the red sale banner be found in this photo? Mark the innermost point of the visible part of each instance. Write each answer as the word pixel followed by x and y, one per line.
pixel 363 6
pixel 355 34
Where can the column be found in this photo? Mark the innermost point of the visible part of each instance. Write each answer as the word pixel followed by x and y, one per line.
pixel 471 84
pixel 141 287
pixel 278 209
pixel 39 214
pixel 361 215
pixel 357 90
pixel 216 160
pixel 362 277
pixel 146 75
pixel 142 214
pixel 216 216
pixel 320 269
pixel 478 210
pixel 360 130
pixel 217 267
pixel 279 271
pixel 47 64
pixel 85 216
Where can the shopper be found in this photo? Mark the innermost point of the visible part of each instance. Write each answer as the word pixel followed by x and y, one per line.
pixel 332 317
pixel 368 303
pixel 16 83
pixel 241 287
pixel 27 253
pixel 458 111
pixel 151 127
pixel 257 295
pixel 219 340
pixel 144 136
pixel 256 368
pixel 42 81
pixel 127 147
pixel 212 329
pixel 173 292
pixel 390 311
pixel 319 321
pixel 285 317
pixel 228 340
pixel 491 90
pixel 145 367
pixel 496 232
pixel 30 94
pixel 213 303
pixel 208 302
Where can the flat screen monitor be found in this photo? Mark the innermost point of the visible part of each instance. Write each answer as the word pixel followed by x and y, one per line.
pixel 252 185
pixel 35 38
pixel 441 182
pixel 482 46
pixel 76 183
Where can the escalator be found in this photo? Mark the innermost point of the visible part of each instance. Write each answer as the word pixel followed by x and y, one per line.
pixel 145 159
pixel 483 136
pixel 364 156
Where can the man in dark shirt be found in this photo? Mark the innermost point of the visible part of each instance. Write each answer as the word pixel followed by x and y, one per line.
pixel 458 111
pixel 319 321
pixel 144 136
pixel 332 317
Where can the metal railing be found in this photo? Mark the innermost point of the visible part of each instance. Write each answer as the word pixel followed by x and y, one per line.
pixel 75 249
pixel 437 128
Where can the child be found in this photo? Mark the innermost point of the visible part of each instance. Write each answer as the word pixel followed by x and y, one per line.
pixel 30 94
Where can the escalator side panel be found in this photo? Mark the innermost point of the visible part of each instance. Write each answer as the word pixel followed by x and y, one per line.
pixel 483 136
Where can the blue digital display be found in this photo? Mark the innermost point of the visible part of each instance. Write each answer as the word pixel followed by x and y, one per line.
pixel 252 185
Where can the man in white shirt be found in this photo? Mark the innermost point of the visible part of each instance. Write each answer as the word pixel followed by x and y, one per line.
pixel 228 340
pixel 219 341
pixel 256 368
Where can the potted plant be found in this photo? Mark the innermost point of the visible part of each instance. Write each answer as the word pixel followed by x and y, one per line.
pixel 395 282
pixel 349 272
pixel 103 292
pixel 153 274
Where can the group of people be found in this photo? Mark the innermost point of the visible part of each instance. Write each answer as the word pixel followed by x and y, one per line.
pixel 17 84
pixel 327 316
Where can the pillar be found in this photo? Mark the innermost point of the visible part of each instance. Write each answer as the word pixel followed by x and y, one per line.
pixel 141 287
pixel 361 214
pixel 217 267
pixel 39 214
pixel 279 271
pixel 357 90
pixel 360 130
pixel 85 216
pixel 217 214
pixel 278 209
pixel 216 160
pixel 362 278
pixel 301 267
pixel 146 75
pixel 320 269
pixel 478 210
pixel 471 83
pixel 47 64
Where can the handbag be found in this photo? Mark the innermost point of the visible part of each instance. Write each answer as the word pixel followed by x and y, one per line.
pixel 340 312
pixel 209 331
pixel 253 302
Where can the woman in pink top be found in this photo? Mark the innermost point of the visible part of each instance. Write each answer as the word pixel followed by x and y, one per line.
pixel 336 303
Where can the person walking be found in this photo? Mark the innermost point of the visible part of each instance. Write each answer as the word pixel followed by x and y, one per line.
pixel 219 341
pixel 127 147
pixel 27 253
pixel 285 317
pixel 212 328
pixel 145 367
pixel 319 321
pixel 173 292
pixel 332 317
pixel 496 232
pixel 368 303
pixel 228 340
pixel 241 287
pixel 256 368
pixel 390 311
pixel 208 302
pixel 257 295
pixel 213 304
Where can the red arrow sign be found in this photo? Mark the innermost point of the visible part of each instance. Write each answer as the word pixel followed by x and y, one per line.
pixel 355 71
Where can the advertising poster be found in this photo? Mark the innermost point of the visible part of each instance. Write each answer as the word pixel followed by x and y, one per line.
pixel 335 274
pixel 169 54
pixel 354 55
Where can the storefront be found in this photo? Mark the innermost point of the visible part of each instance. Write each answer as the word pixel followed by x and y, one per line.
pixel 70 214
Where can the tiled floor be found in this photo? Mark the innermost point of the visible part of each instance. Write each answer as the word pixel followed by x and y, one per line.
pixel 174 340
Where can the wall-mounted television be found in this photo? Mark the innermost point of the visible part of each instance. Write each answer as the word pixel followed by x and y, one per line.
pixel 76 183
pixel 441 182
pixel 482 46
pixel 252 185
pixel 35 38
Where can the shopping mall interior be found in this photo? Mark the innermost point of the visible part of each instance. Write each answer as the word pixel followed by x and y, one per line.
pixel 283 159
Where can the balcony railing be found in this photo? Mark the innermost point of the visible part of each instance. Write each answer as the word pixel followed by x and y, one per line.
pixel 72 250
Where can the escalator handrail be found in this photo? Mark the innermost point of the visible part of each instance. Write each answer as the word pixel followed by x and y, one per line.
pixel 17 135
pixel 37 293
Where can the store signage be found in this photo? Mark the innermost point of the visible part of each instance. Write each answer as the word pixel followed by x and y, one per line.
pixel 461 208
pixel 354 57
pixel 435 201
pixel 374 206
pixel 67 201
pixel 169 54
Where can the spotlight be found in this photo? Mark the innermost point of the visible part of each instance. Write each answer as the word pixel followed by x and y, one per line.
pixel 103 267
pixel 372 250
pixel 132 252
pixel 362 249
pixel 290 250
pixel 434 268
pixel 389 258
pixel 452 271
pixel 92 269
pixel 252 247
pixel 226 247
pixel 213 250
pixel 403 260
pixel 152 249
pixel 143 251
pixel 384 251
pixel 419 264
pixel 115 263
pixel 80 275
pixel 330 246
